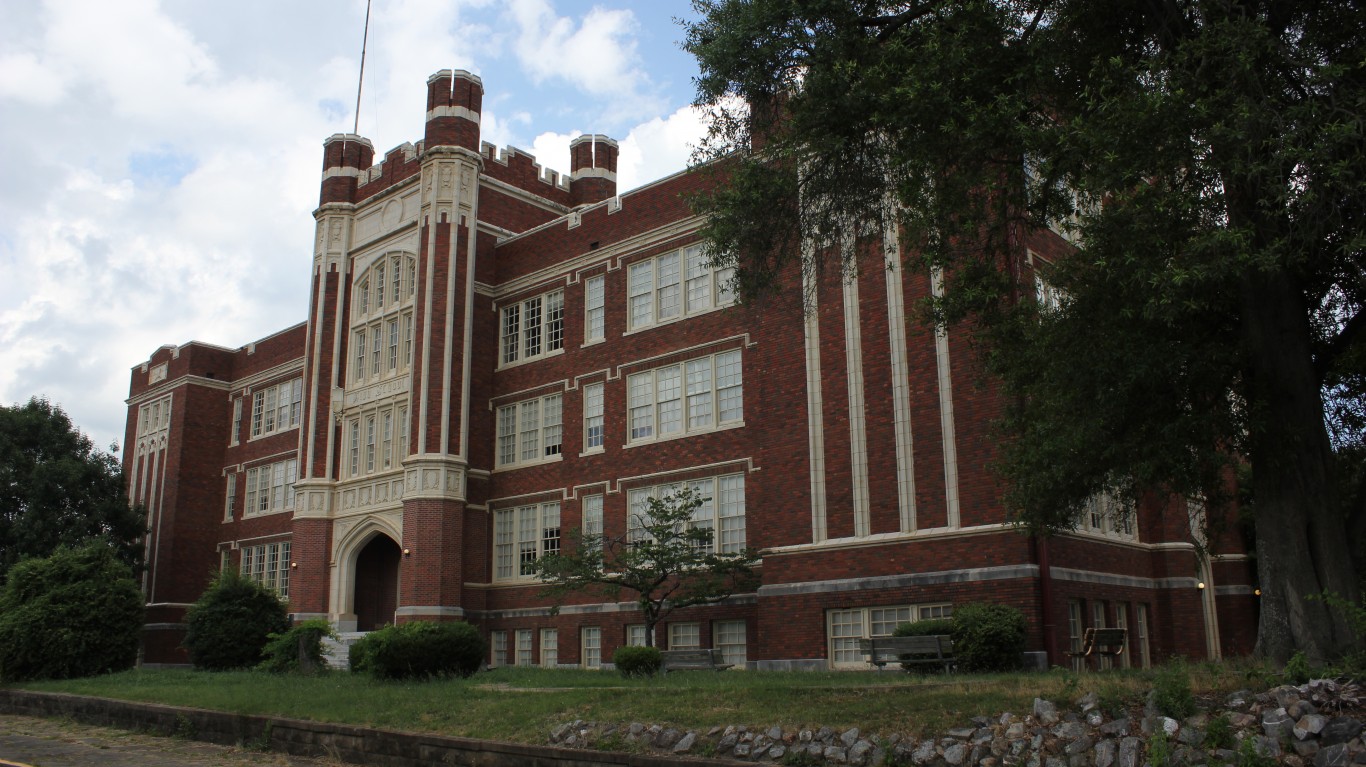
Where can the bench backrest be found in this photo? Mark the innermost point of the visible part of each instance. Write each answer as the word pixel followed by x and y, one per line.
pixel 934 644
pixel 690 657
pixel 1106 637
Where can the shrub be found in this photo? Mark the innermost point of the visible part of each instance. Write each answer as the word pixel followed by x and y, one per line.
pixel 230 624
pixel 637 661
pixel 299 649
pixel 924 628
pixel 420 650
pixel 1297 669
pixel 1219 733
pixel 1172 691
pixel 76 613
pixel 988 637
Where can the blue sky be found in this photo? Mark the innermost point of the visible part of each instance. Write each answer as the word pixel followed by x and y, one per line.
pixel 162 157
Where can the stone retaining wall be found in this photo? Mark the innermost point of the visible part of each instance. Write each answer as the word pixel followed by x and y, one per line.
pixel 357 745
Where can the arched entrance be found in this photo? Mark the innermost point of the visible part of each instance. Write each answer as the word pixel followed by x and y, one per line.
pixel 376 583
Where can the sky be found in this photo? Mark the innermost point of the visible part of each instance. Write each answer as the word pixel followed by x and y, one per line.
pixel 162 159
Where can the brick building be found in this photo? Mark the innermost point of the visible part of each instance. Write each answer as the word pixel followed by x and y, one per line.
pixel 494 354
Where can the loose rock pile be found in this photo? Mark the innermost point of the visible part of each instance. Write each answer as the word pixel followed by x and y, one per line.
pixel 1314 725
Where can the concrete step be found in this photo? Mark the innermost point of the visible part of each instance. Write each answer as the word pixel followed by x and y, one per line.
pixel 337 652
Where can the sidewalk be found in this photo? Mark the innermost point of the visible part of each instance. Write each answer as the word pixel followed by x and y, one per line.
pixel 41 742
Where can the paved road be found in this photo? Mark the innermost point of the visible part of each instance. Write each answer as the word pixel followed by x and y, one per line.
pixel 31 742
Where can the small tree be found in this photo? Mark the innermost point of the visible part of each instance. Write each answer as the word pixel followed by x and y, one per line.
pixel 231 623
pixel 665 558
pixel 76 613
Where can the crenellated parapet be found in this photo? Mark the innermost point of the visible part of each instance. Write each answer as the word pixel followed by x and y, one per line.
pixel 455 100
pixel 519 168
pixel 345 157
pixel 593 168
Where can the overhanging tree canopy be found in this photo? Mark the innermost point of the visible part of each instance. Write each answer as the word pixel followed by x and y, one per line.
pixel 57 489
pixel 1209 158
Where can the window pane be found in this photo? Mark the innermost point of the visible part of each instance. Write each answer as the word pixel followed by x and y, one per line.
pixel 731 512
pixel 594 305
pixel 511 322
pixel 554 335
pixel 698 280
pixel 640 394
pixel 668 286
pixel 670 383
pixel 531 327
pixel 502 543
pixel 592 521
pixel 553 409
pixel 592 415
pixel 729 390
pixel 529 417
pixel 641 289
pixel 699 393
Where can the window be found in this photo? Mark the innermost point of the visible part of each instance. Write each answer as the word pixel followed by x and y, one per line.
pixel 846 627
pixel 1144 656
pixel 524 657
pixel 590 646
pixel 369 444
pixel 550 648
pixel 383 318
pixel 592 521
pixel 533 328
pixel 355 447
pixel 1107 515
pixel 268 565
pixel 1122 622
pixel 594 308
pixel 271 487
pixel 236 420
pixel 1074 633
pixel 674 285
pixel 698 395
pixel 684 636
pixel 1098 621
pixel 523 535
pixel 499 642
pixel 231 496
pixel 387 454
pixel 729 638
pixel 277 408
pixel 635 635
pixel 530 431
pixel 723 510
pixel 592 417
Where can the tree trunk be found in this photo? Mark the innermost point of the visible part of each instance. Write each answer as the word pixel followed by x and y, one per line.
pixel 1302 548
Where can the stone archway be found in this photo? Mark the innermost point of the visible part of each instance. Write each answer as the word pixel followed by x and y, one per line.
pixel 375 583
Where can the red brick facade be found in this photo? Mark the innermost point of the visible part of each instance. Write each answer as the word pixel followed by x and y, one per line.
pixel 860 442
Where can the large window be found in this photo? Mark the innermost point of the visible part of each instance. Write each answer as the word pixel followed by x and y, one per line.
pixel 523 535
pixel 370 441
pixel 530 431
pixel 382 319
pixel 684 636
pixel 722 511
pixel 524 656
pixel 729 638
pixel 594 308
pixel 1108 516
pixel 698 395
pixel 592 521
pixel 271 487
pixel 674 285
pixel 277 408
pixel 590 646
pixel 532 328
pixel 231 503
pixel 592 417
pixel 550 648
pixel 847 627
pixel 268 565
pixel 498 644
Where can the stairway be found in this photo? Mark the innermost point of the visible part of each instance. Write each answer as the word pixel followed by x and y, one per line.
pixel 337 652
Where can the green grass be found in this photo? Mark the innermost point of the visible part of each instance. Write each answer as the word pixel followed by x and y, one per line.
pixel 523 705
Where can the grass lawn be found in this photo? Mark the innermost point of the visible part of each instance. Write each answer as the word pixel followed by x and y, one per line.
pixel 522 705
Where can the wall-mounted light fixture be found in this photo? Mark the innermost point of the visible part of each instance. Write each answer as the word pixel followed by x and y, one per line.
pixel 1200 585
pixel 1256 592
pixel 294 565
pixel 407 552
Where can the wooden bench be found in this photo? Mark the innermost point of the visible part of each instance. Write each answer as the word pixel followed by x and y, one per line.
pixel 1101 643
pixel 932 650
pixel 693 660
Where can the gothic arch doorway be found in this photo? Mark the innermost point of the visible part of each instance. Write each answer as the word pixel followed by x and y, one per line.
pixel 376 583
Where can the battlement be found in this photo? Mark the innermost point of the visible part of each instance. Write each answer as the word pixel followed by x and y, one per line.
pixel 514 158
pixel 593 168
pixel 455 99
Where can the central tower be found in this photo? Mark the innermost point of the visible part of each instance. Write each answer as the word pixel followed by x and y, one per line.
pixel 434 498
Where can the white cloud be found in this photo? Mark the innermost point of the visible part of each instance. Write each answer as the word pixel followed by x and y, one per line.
pixel 659 147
